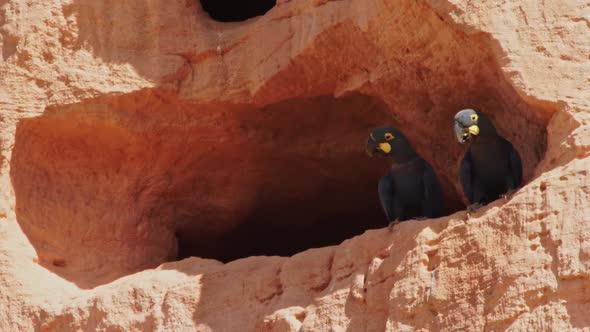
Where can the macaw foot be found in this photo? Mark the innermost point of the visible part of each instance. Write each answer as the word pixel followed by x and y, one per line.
pixel 392 224
pixel 508 194
pixel 473 207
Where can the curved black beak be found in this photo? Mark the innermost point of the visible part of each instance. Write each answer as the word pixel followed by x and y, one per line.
pixel 371 147
pixel 461 133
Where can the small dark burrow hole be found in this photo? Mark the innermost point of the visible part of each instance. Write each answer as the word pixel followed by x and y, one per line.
pixel 236 10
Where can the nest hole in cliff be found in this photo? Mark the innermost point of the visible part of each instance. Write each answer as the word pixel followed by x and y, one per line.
pixel 236 10
pixel 285 178
pixel 118 184
pixel 136 180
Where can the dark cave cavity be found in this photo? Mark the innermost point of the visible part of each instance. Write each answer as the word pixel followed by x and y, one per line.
pixel 313 186
pixel 150 179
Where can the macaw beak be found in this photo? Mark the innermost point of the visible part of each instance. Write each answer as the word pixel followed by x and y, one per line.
pixel 460 133
pixel 464 134
pixel 372 147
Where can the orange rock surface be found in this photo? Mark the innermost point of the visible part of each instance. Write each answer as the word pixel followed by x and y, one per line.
pixel 136 133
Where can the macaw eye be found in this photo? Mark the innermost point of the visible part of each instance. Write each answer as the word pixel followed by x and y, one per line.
pixel 389 136
pixel 474 117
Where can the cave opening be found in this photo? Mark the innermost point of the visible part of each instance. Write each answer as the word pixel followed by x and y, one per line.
pixel 236 10
pixel 149 178
pixel 296 178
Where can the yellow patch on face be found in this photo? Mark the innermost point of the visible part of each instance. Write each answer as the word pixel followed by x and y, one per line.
pixel 474 130
pixel 385 147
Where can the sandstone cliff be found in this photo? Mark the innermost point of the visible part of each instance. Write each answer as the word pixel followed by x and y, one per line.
pixel 137 133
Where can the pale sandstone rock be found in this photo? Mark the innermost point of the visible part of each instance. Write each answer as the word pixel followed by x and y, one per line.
pixel 101 102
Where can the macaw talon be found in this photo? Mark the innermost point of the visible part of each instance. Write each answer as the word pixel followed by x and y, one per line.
pixel 473 208
pixel 506 196
pixel 392 224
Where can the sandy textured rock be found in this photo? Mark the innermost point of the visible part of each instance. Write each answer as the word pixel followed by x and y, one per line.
pixel 134 132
